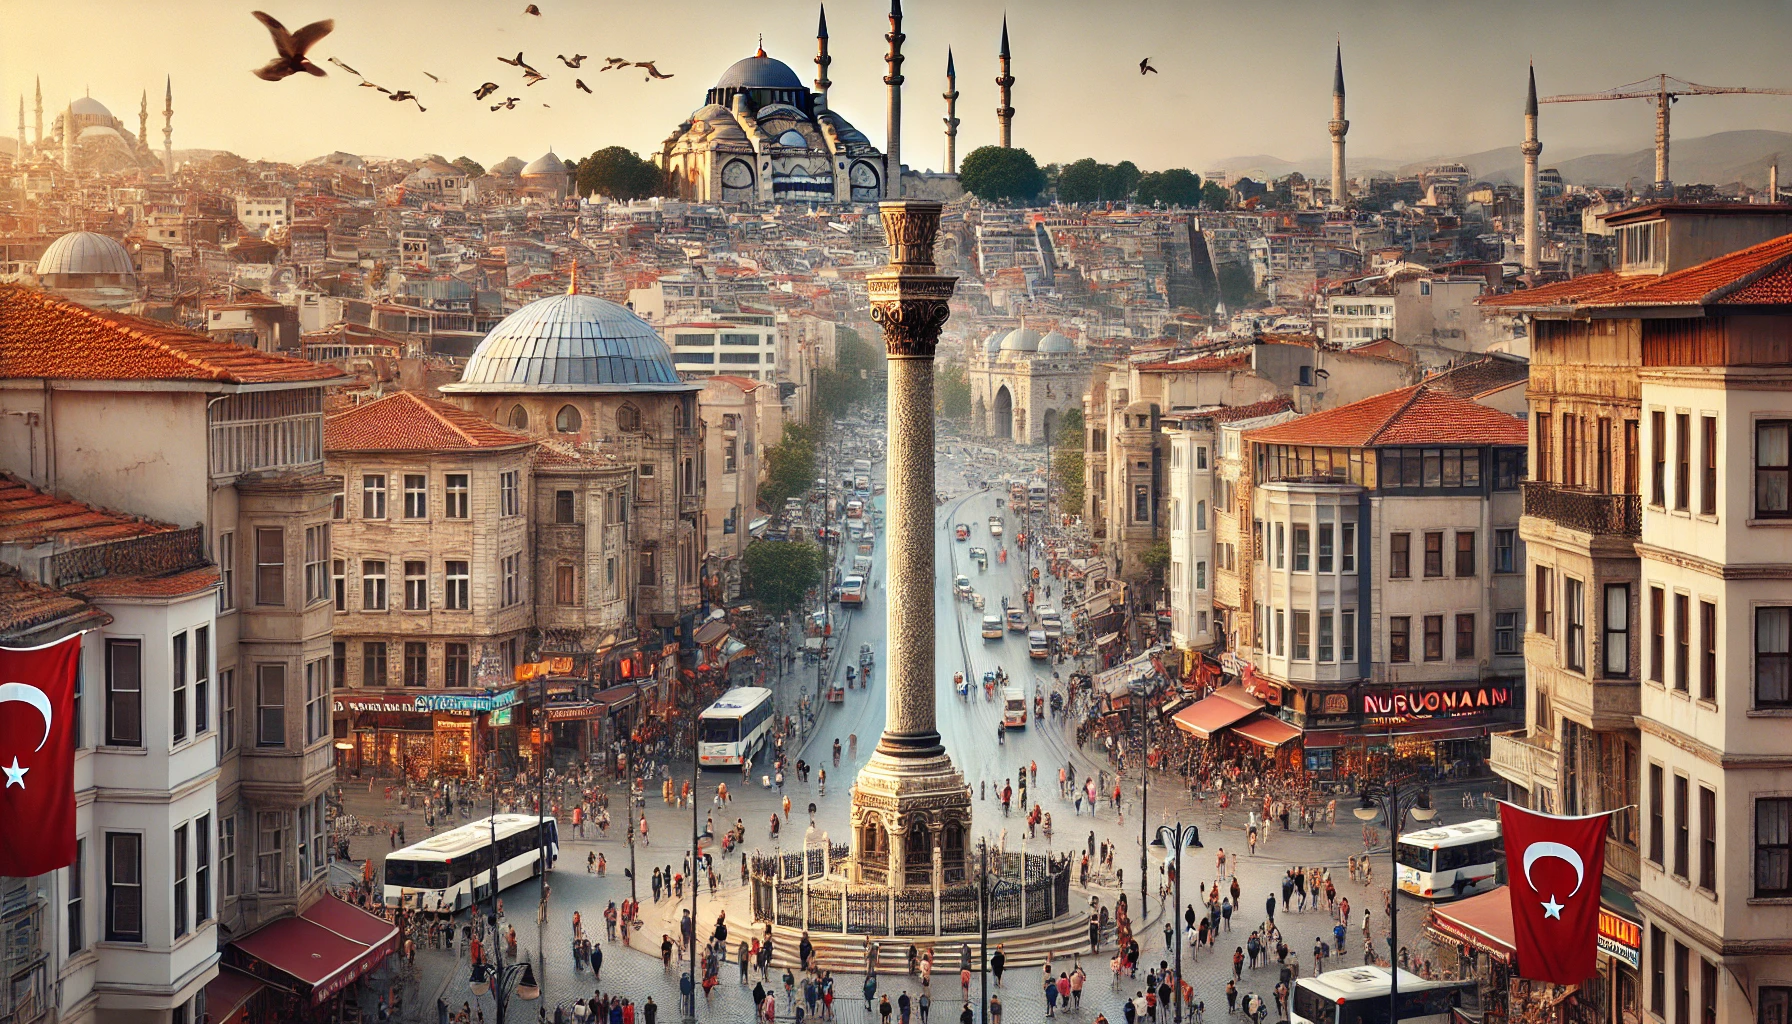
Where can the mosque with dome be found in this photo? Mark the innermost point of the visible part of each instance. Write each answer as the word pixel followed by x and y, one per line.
pixel 85 136
pixel 1022 383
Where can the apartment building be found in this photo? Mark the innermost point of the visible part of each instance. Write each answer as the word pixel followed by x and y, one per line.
pixel 262 214
pixel 737 415
pixel 703 348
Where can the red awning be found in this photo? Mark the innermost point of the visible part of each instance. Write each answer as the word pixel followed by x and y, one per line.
pixel 1211 714
pixel 617 696
pixel 325 948
pixel 1266 731
pixel 1323 740
pixel 226 993
pixel 1483 921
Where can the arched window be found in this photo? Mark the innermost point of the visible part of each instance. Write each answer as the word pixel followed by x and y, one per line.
pixel 678 415
pixel 919 849
pixel 628 419
pixel 872 839
pixel 690 478
pixel 568 420
pixel 1200 515
pixel 519 417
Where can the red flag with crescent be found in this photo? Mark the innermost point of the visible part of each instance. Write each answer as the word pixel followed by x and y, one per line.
pixel 1554 866
pixel 37 757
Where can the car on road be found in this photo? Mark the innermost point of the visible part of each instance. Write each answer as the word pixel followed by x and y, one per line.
pixel 981 557
pixel 1038 647
pixel 992 627
pixel 995 526
pixel 1017 621
pixel 961 585
pixel 1051 623
pixel 1014 708
pixel 963 532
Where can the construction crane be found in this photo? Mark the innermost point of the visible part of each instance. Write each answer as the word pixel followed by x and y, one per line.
pixel 1664 90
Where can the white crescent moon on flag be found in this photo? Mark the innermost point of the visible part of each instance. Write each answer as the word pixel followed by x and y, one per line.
pixel 25 693
pixel 1534 853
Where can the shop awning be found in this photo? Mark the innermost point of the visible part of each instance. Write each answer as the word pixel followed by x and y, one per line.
pixel 1103 641
pixel 1324 740
pixel 617 696
pixel 711 631
pixel 324 949
pixel 1266 731
pixel 1483 921
pixel 228 992
pixel 1211 714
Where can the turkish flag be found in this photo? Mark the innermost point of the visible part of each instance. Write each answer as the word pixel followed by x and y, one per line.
pixel 1553 868
pixel 37 757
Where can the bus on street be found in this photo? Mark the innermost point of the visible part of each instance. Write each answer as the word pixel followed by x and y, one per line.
pixel 1451 861
pixel 736 727
pixel 1359 995
pixel 453 870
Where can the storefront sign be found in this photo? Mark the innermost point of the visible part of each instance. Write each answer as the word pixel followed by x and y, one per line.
pixel 573 712
pixel 1446 702
pixel 1620 938
pixel 501 718
pixel 406 704
pixel 465 702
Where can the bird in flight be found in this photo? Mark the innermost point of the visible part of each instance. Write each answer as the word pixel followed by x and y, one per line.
pixel 291 47
pixel 652 72
pixel 345 67
pixel 1146 68
pixel 531 76
pixel 432 77
pixel 572 62
pixel 405 94
pixel 532 9
pixel 580 82
pixel 509 103
pixel 612 63
pixel 485 90
pixel 517 63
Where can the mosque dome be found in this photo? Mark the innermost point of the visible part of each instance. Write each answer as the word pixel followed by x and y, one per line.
pixel 87 106
pixel 578 343
pixel 545 164
pixel 759 72
pixel 98 131
pixel 1056 343
pixel 1021 339
pixel 84 252
pixel 994 343
pixel 508 166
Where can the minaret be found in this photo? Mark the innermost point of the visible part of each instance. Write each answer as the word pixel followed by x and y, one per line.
pixel 1531 149
pixel 951 97
pixel 68 136
pixel 1338 126
pixel 20 156
pixel 143 123
pixel 40 111
pixel 168 127
pixel 893 128
pixel 1005 82
pixel 822 60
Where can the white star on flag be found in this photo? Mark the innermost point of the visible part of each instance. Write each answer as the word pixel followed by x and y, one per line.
pixel 1552 909
pixel 15 775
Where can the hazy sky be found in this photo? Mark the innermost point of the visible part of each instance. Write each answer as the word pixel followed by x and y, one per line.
pixel 1239 77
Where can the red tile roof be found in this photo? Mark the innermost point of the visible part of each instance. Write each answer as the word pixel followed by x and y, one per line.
pixel 29 517
pixel 46 337
pixel 25 606
pixel 175 584
pixel 409 422
pixel 1761 270
pixel 743 383
pixel 1412 415
pixel 1234 413
pixel 1234 361
pixel 1556 293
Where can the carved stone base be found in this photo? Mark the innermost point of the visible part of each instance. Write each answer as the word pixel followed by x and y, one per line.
pixel 910 805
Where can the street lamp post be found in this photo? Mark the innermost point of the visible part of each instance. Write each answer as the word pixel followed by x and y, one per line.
pixel 690 1007
pixel 1385 798
pixel 500 979
pixel 1140 709
pixel 1180 837
pixel 983 924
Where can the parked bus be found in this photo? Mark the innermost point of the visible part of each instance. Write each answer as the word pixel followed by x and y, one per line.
pixel 852 590
pixel 1014 708
pixel 1451 861
pixel 453 869
pixel 1036 494
pixel 1359 995
pixel 737 726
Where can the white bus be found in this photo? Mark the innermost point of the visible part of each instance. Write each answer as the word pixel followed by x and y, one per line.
pixel 1451 861
pixel 453 869
pixel 852 590
pixel 1359 995
pixel 737 726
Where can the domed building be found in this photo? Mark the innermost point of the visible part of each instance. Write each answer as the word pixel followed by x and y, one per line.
pixel 549 176
pixel 91 269
pixel 1022 383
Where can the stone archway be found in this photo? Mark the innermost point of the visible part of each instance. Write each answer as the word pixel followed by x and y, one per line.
pixel 1002 415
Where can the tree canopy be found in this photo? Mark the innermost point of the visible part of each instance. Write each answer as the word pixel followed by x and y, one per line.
pixel 470 165
pixel 952 391
pixel 1067 460
pixel 780 574
pixel 790 464
pixel 997 175
pixel 1177 186
pixel 618 173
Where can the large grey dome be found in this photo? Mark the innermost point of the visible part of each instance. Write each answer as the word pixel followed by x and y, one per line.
pixel 570 343
pixel 84 252
pixel 1021 339
pixel 547 163
pixel 759 72
pixel 1056 343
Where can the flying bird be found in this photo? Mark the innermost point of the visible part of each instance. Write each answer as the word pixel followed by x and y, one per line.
pixel 365 84
pixel 612 63
pixel 405 94
pixel 573 62
pixel 532 9
pixel 1145 67
pixel 652 72
pixel 509 103
pixel 581 84
pixel 517 63
pixel 291 47
pixel 485 90
pixel 345 67
pixel 531 76
pixel 432 77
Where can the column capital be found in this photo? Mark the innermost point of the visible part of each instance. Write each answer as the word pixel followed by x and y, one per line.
pixel 909 300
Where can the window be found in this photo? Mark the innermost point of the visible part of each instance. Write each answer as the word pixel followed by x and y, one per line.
pixel 1708 651
pixel 1400 556
pixel 1616 643
pixel 270 566
pixel 1658 971
pixel 202 869
pixel 510 571
pixel 1141 504
pixel 227 707
pixel 1682 825
pixel 1303 549
pixel 180 881
pixel 1281 545
pixel 1200 515
pixel 1201 575
pixel 373 584
pixel 1574 613
pixel 227 853
pixel 1682 459
pixel 1602 457
pixel 1257 539
pixel 1465 636
pixel 1657 826
pixel 563 507
pixel 76 903
pixel 455 496
pixel 416 586
pixel 1434 638
pixel 1682 983
pixel 270 705
pixel 568 420
pixel 1543 606
pixel 1465 555
pixel 319 863
pixel 338 663
pixel 1281 637
pixel 416 663
pixel 1632 461
pixel 628 418
pixel 1544 451
pixel 1326 559
pixel 317 699
pixel 1326 647
pixel 458 593
pixel 1707 838
pixel 1658 458
pixel 339 583
pixel 1773 657
pixel 338 506
pixel 1708 466
pixel 455 664
pixel 303 849
pixel 1682 641
pixel 124 693
pixel 508 501
pixel 124 887
pixel 1347 636
pixel 1657 633
pixel 1303 635
pixel 1434 555
pixel 227 571
pixel 317 552
pixel 1707 992
pixel 269 849
pixel 416 496
pixel 373 663
pixel 1347 541
pixel 1773 848
pixel 178 677
pixel 1571 450
pixel 519 418
pixel 1505 550
pixel 373 496
pixel 1505 632
pixel 1399 638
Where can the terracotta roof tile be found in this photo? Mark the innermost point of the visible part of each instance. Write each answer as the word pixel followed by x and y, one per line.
pixel 1412 415
pixel 1233 361
pixel 743 383
pixel 29 517
pixel 25 606
pixel 1486 374
pixel 1712 282
pixel 175 584
pixel 1556 293
pixel 47 337
pixel 1234 413
pixel 408 422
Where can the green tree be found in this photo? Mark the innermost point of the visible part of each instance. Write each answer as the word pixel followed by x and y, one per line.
pixel 997 175
pixel 1177 186
pixel 1153 558
pixel 790 464
pixel 470 165
pixel 618 173
pixel 1214 196
pixel 780 574
pixel 1238 286
pixel 1080 182
pixel 1067 460
pixel 952 391
pixel 1119 181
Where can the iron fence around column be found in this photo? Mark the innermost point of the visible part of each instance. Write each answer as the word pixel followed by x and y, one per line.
pixel 1021 892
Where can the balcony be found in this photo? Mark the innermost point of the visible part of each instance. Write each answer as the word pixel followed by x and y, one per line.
pixel 1586 511
pixel 1523 760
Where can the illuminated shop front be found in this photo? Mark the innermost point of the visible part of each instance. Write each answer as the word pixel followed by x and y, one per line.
pixel 421 734
pixel 1435 726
